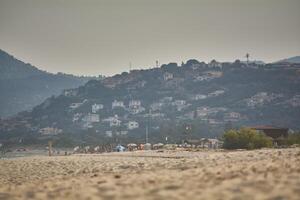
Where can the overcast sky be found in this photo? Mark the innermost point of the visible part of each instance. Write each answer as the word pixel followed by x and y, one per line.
pixel 91 37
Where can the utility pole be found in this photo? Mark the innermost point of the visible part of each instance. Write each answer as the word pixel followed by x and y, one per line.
pixel 147 127
pixel 247 56
pixel 50 148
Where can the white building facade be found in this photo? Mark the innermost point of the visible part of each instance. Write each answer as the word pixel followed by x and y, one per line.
pixel 132 125
pixel 96 107
pixel 117 104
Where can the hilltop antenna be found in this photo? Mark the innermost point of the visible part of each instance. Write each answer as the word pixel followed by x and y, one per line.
pixel 157 64
pixel 247 56
pixel 130 66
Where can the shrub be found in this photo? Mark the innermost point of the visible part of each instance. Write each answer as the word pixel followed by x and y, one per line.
pixel 293 138
pixel 245 138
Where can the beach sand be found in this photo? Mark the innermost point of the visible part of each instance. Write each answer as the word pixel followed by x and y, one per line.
pixel 258 174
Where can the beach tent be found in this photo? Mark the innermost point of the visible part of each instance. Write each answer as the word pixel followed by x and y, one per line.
pixel 120 148
pixel 132 146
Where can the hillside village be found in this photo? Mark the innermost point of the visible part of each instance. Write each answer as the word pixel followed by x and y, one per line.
pixel 210 97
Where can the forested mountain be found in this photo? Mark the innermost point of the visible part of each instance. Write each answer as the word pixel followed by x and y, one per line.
pixel 23 86
pixel 192 100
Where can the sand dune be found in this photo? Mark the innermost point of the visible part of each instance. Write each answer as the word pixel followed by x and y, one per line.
pixel 259 174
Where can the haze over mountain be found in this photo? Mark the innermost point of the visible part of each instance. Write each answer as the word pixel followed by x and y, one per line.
pixel 101 36
pixel 295 59
pixel 209 97
pixel 23 86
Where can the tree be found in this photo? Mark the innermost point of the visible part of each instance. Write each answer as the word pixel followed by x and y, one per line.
pixel 245 138
pixel 293 138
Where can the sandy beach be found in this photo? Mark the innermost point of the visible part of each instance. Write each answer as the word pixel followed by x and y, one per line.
pixel 259 174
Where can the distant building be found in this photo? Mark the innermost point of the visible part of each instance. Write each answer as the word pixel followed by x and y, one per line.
pixel 132 125
pixel 91 118
pixel 213 143
pixel 70 92
pixel 190 115
pixel 135 107
pixel 166 99
pixel 232 116
pixel 75 105
pixel 202 111
pixel 205 143
pixel 76 117
pixel 295 101
pixel 87 125
pixel 272 131
pixel 195 66
pixel 96 107
pixel 137 110
pixel 156 106
pixel 155 115
pixel 168 76
pixel 262 98
pixel 113 121
pixel 208 75
pixel 199 97
pixel 216 93
pixel 50 131
pixel 122 133
pixel 108 133
pixel 202 78
pixel 133 104
pixel 117 104
pixel 179 102
pixel 214 121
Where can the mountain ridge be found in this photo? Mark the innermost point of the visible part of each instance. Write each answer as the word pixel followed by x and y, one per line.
pixel 23 86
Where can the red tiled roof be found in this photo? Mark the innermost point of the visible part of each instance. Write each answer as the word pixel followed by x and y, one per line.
pixel 264 127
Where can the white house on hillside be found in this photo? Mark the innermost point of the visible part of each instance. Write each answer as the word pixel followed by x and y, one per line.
pixel 117 104
pixel 96 107
pixel 91 118
pixel 134 104
pixel 168 76
pixel 50 131
pixel 113 121
pixel 108 133
pixel 199 97
pixel 132 125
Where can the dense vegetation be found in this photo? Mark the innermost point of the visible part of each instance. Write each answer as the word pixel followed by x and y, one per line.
pixel 292 139
pixel 245 138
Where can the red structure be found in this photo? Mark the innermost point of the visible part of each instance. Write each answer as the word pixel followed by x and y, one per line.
pixel 272 131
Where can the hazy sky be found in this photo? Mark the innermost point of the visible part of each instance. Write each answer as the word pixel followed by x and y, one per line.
pixel 94 37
